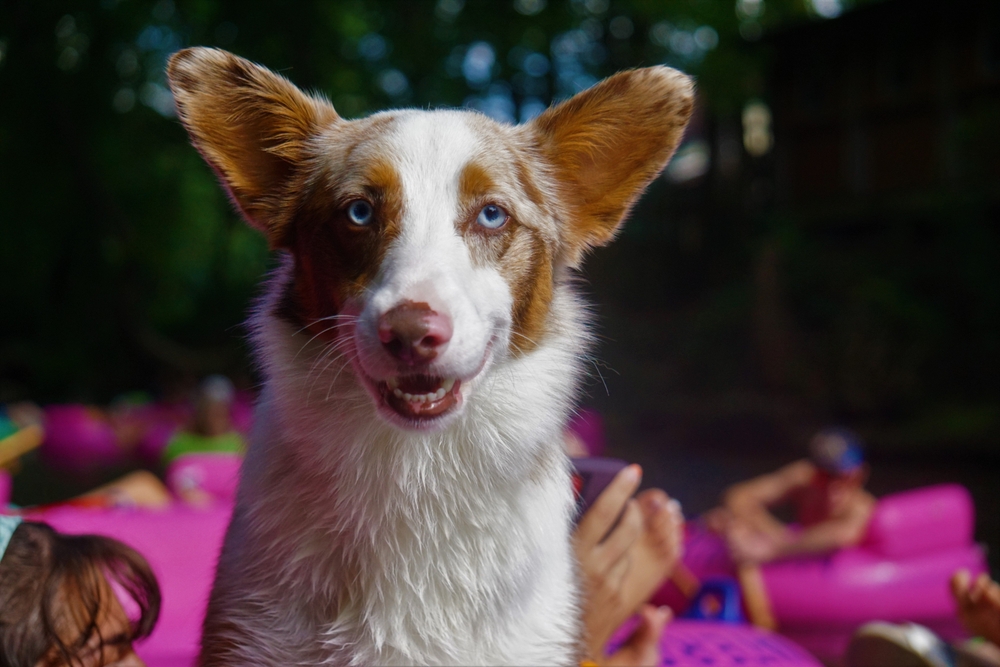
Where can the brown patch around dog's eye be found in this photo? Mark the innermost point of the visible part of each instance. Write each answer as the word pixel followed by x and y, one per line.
pixel 474 183
pixel 529 265
pixel 476 190
pixel 476 195
pixel 335 257
pixel 527 182
pixel 519 252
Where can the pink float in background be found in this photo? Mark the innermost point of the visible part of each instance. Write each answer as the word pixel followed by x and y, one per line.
pixel 182 545
pixel 215 474
pixel 6 486
pixel 688 643
pixel 915 541
pixel 80 438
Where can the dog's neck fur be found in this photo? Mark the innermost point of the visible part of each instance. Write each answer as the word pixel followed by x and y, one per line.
pixel 436 517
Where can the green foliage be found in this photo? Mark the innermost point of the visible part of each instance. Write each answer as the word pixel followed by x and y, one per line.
pixel 125 266
pixel 123 258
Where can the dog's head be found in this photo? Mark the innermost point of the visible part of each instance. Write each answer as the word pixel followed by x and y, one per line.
pixel 428 243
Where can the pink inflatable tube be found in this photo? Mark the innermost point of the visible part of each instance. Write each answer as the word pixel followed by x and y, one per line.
pixel 182 546
pixel 215 474
pixel 916 540
pixel 6 486
pixel 80 438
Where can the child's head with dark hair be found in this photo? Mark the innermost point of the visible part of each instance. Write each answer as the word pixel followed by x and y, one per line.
pixel 61 600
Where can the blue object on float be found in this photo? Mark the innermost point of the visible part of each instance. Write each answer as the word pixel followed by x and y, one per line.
pixel 717 600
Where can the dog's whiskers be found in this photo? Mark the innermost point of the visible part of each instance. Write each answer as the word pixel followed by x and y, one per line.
pixel 348 319
pixel 331 357
pixel 326 319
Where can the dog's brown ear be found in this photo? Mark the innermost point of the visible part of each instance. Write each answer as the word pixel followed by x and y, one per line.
pixel 250 125
pixel 607 143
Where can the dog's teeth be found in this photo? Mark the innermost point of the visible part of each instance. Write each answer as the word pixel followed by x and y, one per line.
pixel 446 386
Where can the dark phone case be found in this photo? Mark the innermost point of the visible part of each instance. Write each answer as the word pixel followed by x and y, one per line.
pixel 591 475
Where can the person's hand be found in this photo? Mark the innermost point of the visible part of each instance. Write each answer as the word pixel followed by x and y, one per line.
pixel 978 604
pixel 621 569
pixel 604 561
pixel 748 545
pixel 659 546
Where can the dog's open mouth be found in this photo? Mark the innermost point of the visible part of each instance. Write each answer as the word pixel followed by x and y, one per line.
pixel 420 397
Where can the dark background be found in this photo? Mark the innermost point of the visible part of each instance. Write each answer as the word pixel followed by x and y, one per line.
pixel 823 249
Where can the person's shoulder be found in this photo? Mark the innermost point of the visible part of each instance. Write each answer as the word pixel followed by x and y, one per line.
pixel 864 501
pixel 798 472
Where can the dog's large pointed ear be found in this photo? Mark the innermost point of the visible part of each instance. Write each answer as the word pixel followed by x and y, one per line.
pixel 250 125
pixel 607 143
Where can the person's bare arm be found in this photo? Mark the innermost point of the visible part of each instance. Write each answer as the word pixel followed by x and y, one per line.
pixel 834 533
pixel 748 501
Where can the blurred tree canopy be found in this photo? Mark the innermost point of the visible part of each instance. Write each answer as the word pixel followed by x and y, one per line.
pixel 125 267
pixel 121 255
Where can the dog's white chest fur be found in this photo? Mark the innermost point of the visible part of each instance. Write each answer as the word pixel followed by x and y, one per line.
pixel 400 548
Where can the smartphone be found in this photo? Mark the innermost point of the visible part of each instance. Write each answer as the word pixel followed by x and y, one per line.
pixel 591 475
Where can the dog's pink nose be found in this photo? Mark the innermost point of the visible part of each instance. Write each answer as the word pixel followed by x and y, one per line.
pixel 414 333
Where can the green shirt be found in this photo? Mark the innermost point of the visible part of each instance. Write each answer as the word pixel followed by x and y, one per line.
pixel 186 442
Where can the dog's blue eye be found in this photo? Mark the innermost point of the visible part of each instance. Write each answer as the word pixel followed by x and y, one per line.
pixel 360 212
pixel 492 217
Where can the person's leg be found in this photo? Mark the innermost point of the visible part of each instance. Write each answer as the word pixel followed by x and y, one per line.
pixel 139 488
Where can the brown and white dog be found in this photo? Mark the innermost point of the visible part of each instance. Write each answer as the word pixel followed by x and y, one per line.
pixel 405 498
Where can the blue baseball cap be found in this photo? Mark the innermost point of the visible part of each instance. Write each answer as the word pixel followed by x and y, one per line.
pixel 838 450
